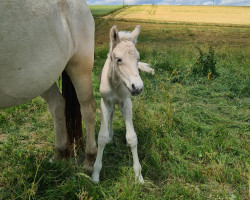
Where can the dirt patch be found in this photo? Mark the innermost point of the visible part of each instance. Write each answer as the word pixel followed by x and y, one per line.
pixel 3 136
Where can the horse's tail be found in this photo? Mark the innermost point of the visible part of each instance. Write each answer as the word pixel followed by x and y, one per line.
pixel 72 114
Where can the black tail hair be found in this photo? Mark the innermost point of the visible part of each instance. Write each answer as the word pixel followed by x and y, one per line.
pixel 72 113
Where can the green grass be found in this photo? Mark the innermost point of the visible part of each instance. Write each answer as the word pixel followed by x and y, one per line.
pixel 101 10
pixel 193 132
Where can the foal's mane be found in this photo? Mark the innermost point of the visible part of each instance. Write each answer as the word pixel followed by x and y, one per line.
pixel 123 36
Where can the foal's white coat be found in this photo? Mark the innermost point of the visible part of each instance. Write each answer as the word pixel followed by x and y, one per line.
pixel 38 39
pixel 120 79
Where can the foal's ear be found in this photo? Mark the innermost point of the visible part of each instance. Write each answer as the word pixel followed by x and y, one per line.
pixel 135 33
pixel 114 37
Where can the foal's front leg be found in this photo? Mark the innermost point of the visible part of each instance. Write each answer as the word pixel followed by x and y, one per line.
pixel 103 137
pixel 126 109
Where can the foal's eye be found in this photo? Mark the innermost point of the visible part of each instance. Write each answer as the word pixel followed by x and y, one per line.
pixel 119 60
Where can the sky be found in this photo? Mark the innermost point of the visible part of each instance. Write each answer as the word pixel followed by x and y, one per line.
pixel 171 2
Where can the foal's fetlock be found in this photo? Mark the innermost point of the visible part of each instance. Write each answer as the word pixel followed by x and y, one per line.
pixel 111 134
pixel 96 173
pixel 139 179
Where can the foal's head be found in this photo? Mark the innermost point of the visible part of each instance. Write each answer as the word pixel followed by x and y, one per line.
pixel 125 57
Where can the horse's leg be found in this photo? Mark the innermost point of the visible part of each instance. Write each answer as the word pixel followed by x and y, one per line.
pixel 103 138
pixel 126 109
pixel 56 105
pixel 79 71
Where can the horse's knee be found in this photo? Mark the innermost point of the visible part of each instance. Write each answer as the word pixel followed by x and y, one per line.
pixel 90 104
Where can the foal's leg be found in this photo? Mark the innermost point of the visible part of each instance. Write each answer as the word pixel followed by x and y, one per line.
pixel 111 133
pixel 79 70
pixel 56 105
pixel 103 138
pixel 126 109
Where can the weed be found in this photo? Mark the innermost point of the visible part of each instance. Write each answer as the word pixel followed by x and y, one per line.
pixel 205 64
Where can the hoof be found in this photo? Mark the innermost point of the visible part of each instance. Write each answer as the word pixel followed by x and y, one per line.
pixel 61 154
pixel 95 178
pixel 139 179
pixel 87 167
pixel 89 161
pixel 96 181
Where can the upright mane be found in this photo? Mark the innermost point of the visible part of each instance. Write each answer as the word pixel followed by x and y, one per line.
pixel 125 35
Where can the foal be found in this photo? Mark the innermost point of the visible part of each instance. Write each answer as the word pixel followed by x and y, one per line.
pixel 120 79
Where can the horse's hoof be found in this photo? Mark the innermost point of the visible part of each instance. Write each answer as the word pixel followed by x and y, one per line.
pixel 61 154
pixel 89 161
pixel 87 167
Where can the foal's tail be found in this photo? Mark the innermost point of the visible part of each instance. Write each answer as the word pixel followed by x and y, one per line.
pixel 72 113
pixel 146 68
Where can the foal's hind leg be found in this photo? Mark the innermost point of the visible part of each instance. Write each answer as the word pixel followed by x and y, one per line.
pixel 56 105
pixel 79 70
pixel 111 133
pixel 126 109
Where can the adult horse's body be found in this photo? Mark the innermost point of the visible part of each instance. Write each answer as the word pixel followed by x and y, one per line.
pixel 38 40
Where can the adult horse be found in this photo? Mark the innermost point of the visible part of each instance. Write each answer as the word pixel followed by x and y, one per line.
pixel 38 41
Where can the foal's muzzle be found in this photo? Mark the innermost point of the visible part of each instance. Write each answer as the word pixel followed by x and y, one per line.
pixel 136 90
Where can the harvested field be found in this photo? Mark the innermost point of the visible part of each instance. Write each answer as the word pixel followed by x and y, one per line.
pixel 101 10
pixel 186 14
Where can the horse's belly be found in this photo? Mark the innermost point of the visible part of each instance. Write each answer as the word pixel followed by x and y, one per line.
pixel 8 101
pixel 35 47
pixel 22 84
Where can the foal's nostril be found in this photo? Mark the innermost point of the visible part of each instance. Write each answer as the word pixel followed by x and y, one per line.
pixel 133 86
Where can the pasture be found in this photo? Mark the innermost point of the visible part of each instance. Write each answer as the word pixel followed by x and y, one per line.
pixel 193 130
pixel 103 10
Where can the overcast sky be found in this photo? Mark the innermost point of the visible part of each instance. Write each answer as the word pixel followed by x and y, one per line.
pixel 171 2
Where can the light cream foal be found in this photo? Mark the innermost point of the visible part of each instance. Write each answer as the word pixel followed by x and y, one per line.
pixel 120 79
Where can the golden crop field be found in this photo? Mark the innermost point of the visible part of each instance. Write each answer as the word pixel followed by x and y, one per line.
pixel 187 14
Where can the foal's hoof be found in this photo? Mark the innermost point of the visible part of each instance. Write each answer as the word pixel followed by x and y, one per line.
pixel 95 178
pixel 139 179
